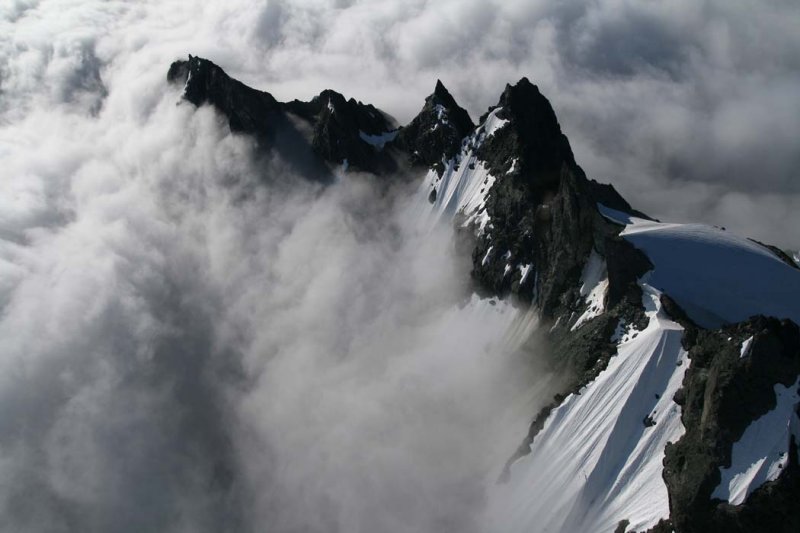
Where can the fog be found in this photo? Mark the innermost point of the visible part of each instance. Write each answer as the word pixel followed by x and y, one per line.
pixel 195 339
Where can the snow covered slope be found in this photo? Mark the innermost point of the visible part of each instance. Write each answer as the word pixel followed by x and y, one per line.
pixel 598 458
pixel 715 276
pixel 462 188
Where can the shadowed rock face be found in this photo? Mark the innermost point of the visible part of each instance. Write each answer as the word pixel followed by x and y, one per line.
pixel 534 138
pixel 435 134
pixel 338 127
pixel 722 394
pixel 248 110
pixel 543 211
pixel 543 215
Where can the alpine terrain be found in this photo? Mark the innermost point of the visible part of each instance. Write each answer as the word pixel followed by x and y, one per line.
pixel 678 344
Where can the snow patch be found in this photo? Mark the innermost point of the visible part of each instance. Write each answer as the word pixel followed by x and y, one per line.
pixel 441 113
pixel 624 332
pixel 594 286
pixel 745 351
pixel 462 188
pixel 762 452
pixel 513 166
pixel 379 140
pixel 493 122
pixel 486 257
pixel 188 78
pixel 524 271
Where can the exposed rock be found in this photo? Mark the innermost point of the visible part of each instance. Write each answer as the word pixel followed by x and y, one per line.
pixel 341 130
pixel 780 254
pixel 606 194
pixel 435 134
pixel 248 110
pixel 722 394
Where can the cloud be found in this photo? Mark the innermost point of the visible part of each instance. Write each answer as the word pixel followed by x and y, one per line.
pixel 655 97
pixel 194 340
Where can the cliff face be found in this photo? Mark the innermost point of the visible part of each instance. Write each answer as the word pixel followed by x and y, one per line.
pixel 610 285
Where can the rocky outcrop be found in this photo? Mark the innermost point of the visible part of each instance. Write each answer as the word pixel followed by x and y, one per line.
pixel 248 110
pixel 722 394
pixel 347 131
pixel 342 132
pixel 434 136
pixel 543 211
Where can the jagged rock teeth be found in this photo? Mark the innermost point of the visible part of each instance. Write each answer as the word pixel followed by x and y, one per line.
pixel 342 129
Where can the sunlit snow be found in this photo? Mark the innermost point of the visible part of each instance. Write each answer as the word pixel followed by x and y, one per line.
pixel 715 276
pixel 595 462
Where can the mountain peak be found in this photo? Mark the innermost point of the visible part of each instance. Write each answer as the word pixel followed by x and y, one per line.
pixel 204 82
pixel 436 132
pixel 440 90
pixel 533 132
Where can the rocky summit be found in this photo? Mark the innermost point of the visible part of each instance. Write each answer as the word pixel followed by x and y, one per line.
pixel 679 343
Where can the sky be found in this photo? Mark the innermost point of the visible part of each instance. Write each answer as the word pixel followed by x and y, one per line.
pixel 196 340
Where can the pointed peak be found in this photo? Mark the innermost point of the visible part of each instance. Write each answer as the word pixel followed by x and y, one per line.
pixel 442 97
pixel 440 90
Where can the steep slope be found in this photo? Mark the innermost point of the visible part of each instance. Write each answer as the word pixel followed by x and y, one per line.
pixel 678 344
pixel 597 459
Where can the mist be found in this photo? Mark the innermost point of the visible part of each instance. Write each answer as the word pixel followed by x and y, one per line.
pixel 197 340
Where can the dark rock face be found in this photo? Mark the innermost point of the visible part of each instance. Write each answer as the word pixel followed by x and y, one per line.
pixel 606 194
pixel 248 110
pixel 341 129
pixel 625 265
pixel 543 212
pixel 435 134
pixel 722 394
pixel 533 137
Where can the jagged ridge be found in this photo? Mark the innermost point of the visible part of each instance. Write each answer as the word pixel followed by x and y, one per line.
pixel 539 214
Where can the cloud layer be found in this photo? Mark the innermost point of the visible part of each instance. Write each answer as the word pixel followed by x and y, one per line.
pixel 691 109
